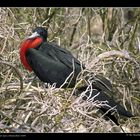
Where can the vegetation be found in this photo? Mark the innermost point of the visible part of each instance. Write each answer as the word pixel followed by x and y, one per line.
pixel 106 40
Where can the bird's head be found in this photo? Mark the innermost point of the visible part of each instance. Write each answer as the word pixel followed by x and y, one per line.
pixel 39 32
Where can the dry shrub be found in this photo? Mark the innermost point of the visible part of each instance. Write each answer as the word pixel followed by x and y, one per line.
pixel 106 40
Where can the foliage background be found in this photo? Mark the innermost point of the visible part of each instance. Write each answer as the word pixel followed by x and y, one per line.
pixel 87 33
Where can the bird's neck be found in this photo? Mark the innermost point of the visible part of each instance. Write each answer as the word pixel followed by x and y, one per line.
pixel 27 44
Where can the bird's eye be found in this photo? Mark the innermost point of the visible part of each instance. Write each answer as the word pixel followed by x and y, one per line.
pixel 41 32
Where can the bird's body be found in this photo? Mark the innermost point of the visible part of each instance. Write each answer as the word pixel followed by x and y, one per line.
pixel 53 64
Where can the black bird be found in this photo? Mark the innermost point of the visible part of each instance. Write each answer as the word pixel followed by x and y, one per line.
pixel 49 62
pixel 53 64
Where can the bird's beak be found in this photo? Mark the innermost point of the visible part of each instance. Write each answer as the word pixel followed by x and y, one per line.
pixel 35 34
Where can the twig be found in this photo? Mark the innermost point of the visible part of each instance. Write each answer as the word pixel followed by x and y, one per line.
pixel 21 125
pixel 114 53
pixel 74 28
pixel 102 56
pixel 17 72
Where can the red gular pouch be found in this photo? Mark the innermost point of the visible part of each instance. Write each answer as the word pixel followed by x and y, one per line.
pixel 25 45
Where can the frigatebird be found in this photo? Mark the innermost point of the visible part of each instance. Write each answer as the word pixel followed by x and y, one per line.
pixel 53 64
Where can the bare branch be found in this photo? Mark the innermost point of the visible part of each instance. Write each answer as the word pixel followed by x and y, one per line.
pixel 16 71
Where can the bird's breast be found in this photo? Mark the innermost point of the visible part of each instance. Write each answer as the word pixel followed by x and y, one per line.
pixel 27 44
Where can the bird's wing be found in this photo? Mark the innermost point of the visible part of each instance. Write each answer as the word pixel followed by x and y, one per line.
pixel 60 54
pixel 102 83
pixel 45 67
pixel 99 82
pixel 101 96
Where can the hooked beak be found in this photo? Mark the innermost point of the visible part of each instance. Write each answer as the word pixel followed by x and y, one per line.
pixel 35 34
